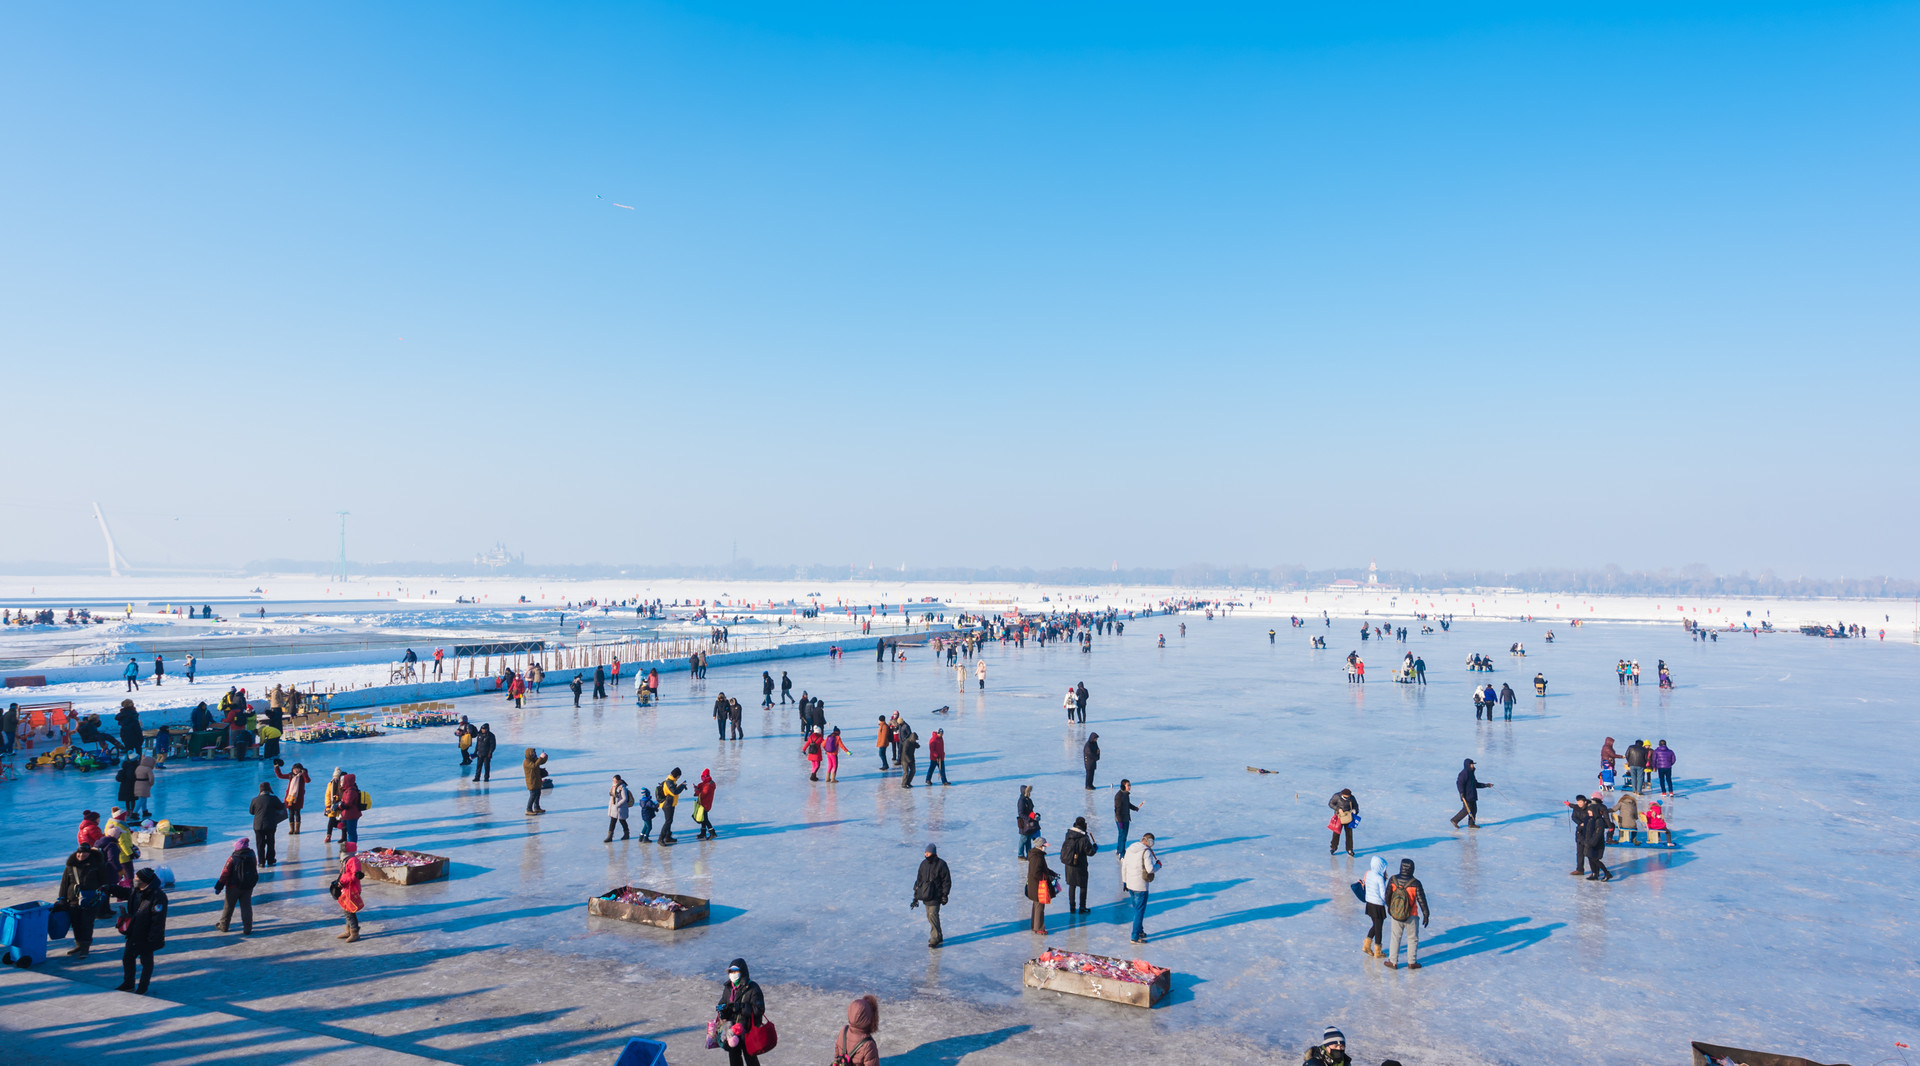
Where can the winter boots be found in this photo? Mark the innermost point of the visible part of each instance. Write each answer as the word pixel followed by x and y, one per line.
pixel 1367 946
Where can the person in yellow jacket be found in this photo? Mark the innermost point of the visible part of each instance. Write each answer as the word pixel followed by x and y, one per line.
pixel 668 796
pixel 330 803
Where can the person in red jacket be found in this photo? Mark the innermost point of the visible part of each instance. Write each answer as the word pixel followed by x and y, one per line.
pixel 937 756
pixel 703 813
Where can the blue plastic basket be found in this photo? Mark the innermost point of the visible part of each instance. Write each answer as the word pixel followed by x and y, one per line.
pixel 643 1052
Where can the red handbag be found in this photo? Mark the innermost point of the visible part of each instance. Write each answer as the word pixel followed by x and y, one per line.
pixel 761 1038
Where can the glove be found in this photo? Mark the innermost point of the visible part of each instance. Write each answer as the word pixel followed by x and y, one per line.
pixel 913 905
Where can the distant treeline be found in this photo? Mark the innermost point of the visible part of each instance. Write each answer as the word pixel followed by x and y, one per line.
pixel 1695 580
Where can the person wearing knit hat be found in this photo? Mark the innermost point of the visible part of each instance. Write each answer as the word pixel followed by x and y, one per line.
pixel 1332 1049
pixel 237 879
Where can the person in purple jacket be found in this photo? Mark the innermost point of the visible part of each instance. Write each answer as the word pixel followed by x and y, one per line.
pixel 1663 764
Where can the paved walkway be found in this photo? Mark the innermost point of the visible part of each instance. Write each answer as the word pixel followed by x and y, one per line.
pixel 48 1019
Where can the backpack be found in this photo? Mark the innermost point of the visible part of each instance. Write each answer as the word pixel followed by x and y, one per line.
pixel 1400 903
pixel 845 1058
pixel 366 800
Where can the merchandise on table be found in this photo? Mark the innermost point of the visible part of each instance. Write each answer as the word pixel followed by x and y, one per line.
pixel 308 734
pixel 419 719
pixel 641 899
pixel 390 857
pixel 1138 971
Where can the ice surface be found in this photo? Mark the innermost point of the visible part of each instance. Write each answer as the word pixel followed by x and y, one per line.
pixel 1784 922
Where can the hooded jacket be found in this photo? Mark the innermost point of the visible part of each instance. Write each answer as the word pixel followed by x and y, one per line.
pixel 533 768
pixel 89 832
pixel 349 798
pixel 201 718
pixel 1607 754
pixel 1090 752
pixel 742 1004
pixel 855 1041
pixel 147 923
pixel 1404 880
pixel 704 790
pixel 619 800
pixel 1626 812
pixel 1075 850
pixel 1375 882
pixel 1662 757
pixel 1465 783
pixel 143 778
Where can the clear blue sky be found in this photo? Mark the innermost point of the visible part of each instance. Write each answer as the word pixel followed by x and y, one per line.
pixel 973 284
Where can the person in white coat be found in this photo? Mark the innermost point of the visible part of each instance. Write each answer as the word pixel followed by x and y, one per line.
pixel 1374 890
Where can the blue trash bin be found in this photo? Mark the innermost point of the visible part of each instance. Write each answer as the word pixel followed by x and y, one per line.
pixel 643 1052
pixel 25 932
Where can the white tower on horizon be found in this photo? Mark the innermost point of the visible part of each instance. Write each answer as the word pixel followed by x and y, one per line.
pixel 114 559
pixel 1373 572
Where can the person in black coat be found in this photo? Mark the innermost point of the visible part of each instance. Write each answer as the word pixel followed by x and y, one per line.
pixel 131 735
pixel 1090 756
pixel 1025 821
pixel 1469 788
pixel 483 744
pixel 930 888
pixel 909 749
pixel 1038 873
pixel 1080 702
pixel 1578 813
pixel 1075 850
pixel 1123 808
pixel 599 682
pixel 742 1006
pixel 722 713
pixel 83 888
pixel 125 777
pixel 146 931
pixel 1343 803
pixel 1593 835
pixel 268 812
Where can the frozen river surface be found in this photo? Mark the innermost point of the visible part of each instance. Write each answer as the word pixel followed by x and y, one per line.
pixel 1784 921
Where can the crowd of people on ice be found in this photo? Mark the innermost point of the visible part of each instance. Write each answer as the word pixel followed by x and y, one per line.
pixel 100 879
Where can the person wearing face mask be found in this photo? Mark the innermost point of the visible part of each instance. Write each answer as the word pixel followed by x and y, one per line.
pixel 742 1006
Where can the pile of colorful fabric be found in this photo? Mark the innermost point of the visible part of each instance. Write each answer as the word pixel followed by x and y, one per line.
pixel 418 719
pixel 1138 971
pixel 390 857
pixel 641 899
